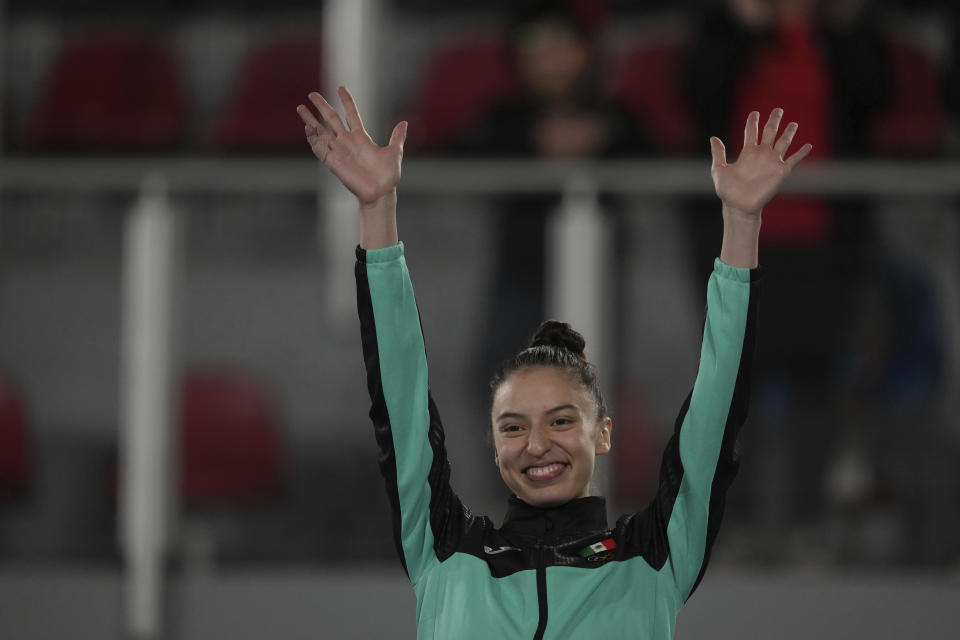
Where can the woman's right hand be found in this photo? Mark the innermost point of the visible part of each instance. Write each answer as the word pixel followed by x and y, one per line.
pixel 369 171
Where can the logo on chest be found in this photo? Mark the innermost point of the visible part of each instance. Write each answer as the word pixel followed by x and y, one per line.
pixel 599 552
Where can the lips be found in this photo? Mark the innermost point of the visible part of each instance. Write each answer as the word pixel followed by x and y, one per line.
pixel 544 472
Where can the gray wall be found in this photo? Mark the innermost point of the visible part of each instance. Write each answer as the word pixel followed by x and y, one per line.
pixel 55 604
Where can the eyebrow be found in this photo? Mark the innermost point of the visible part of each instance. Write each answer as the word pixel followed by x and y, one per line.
pixel 562 407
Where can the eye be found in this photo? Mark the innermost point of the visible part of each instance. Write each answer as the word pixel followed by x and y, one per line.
pixel 562 421
pixel 510 428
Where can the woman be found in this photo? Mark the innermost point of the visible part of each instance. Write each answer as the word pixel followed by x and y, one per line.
pixel 559 110
pixel 554 569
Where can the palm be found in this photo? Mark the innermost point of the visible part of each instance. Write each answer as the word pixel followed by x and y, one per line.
pixel 365 168
pixel 751 182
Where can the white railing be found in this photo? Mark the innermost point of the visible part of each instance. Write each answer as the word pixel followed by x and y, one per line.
pixel 468 177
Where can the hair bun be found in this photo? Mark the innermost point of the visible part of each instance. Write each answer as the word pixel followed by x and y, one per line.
pixel 553 333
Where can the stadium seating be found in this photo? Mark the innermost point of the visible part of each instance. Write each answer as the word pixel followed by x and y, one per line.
pixel 116 92
pixel 274 78
pixel 461 80
pixel 229 441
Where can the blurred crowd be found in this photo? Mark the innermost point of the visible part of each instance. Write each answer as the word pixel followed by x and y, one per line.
pixel 851 455
pixel 596 79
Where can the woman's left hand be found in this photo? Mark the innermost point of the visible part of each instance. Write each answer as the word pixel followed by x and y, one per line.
pixel 369 171
pixel 751 182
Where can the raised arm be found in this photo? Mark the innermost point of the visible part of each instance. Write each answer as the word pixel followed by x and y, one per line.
pixel 700 460
pixel 747 185
pixel 427 515
pixel 369 171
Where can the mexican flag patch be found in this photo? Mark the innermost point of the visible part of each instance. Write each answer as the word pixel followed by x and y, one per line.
pixel 594 549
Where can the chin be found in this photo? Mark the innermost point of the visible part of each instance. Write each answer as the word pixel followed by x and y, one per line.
pixel 549 503
pixel 546 499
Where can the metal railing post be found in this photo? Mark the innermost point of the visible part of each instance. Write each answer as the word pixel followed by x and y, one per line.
pixel 350 34
pixel 148 401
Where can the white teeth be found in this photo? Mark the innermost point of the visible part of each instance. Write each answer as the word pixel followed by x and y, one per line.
pixel 540 472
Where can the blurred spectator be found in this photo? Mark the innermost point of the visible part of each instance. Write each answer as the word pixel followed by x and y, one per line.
pixel 944 15
pixel 891 468
pixel 825 63
pixel 560 111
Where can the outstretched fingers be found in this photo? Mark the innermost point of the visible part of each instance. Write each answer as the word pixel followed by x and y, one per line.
pixel 772 127
pixel 750 130
pixel 350 109
pixel 319 136
pixel 786 139
pixel 399 135
pixel 309 120
pixel 770 130
pixel 801 153
pixel 718 152
pixel 330 117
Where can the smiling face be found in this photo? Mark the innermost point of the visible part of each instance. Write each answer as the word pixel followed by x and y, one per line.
pixel 546 433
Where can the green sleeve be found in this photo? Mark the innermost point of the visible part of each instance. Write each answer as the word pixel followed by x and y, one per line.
pixel 407 426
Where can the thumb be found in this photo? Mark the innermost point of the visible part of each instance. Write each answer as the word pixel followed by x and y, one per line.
pixel 399 135
pixel 718 151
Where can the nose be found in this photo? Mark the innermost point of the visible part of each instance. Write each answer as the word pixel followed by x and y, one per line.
pixel 538 442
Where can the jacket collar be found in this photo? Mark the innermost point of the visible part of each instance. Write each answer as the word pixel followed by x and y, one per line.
pixel 575 518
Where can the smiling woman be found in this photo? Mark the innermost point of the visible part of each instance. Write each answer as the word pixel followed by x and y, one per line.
pixel 554 568
pixel 549 418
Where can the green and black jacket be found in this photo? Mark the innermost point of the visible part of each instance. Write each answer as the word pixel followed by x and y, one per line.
pixel 538 576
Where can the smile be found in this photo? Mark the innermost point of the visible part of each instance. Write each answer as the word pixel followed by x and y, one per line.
pixel 545 472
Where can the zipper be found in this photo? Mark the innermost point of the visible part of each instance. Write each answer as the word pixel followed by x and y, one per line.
pixel 541 592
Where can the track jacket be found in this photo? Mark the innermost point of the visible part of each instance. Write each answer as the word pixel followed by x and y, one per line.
pixel 559 572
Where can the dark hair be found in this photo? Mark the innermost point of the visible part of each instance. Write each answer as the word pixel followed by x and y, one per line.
pixel 585 18
pixel 554 344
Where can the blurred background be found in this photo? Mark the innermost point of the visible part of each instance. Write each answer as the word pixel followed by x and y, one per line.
pixel 184 445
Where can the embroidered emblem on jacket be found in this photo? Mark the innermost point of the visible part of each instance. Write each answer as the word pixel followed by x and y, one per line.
pixel 598 547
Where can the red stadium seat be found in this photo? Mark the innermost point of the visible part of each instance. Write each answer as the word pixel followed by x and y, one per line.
pixel 113 92
pixel 461 80
pixel 15 463
pixel 229 462
pixel 914 123
pixel 229 442
pixel 275 78
pixel 647 79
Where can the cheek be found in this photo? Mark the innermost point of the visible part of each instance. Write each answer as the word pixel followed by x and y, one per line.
pixel 503 450
pixel 507 450
pixel 507 462
pixel 583 444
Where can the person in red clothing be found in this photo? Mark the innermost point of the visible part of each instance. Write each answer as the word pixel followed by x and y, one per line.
pixel 824 60
pixel 794 46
